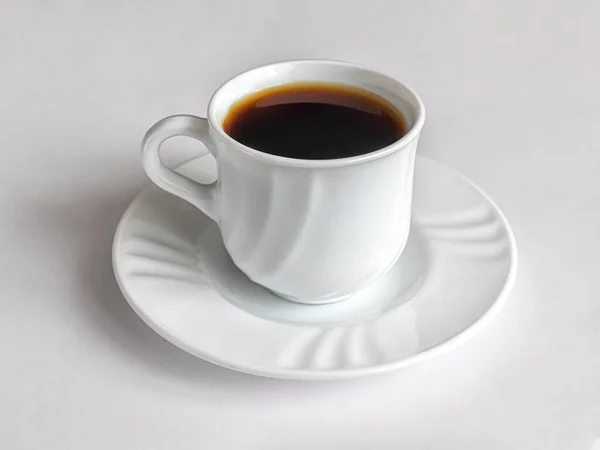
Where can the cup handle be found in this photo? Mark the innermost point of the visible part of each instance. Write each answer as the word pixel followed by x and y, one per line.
pixel 199 195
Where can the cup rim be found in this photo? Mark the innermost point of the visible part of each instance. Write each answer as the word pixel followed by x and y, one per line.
pixel 394 147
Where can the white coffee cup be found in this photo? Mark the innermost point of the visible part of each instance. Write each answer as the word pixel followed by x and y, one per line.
pixel 311 231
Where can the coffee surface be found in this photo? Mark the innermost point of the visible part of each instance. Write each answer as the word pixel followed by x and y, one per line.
pixel 314 121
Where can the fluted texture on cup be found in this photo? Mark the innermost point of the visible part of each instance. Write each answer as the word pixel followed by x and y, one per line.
pixel 315 234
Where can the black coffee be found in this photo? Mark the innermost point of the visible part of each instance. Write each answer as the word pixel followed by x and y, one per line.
pixel 314 121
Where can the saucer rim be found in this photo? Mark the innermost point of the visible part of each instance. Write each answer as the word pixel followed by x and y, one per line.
pixel 330 374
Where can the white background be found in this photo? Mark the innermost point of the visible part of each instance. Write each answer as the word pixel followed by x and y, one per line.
pixel 512 91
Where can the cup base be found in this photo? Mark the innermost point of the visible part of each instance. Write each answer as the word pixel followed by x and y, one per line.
pixel 309 302
pixel 338 298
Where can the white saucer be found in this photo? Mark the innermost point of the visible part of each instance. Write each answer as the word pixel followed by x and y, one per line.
pixel 458 267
